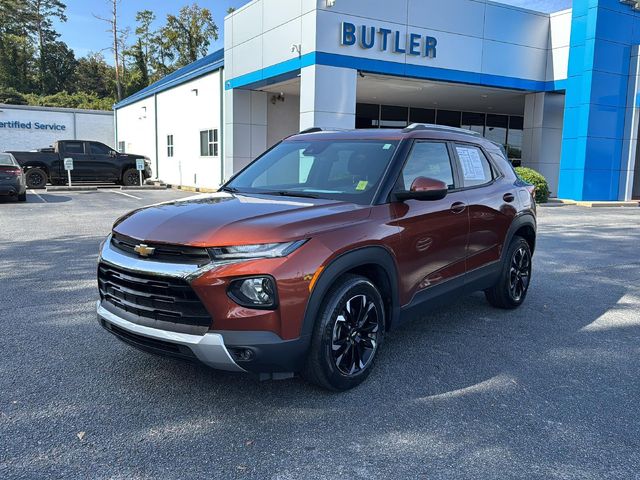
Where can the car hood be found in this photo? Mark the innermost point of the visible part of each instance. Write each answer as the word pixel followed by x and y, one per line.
pixel 223 219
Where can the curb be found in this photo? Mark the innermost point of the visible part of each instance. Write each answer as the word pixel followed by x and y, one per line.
pixel 145 187
pixel 71 189
pixel 193 189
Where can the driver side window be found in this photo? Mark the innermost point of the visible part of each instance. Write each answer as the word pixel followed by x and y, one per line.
pixel 430 160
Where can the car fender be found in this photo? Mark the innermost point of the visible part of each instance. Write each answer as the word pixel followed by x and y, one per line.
pixel 525 219
pixel 345 262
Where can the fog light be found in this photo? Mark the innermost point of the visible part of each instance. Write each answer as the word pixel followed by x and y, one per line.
pixel 257 292
pixel 242 354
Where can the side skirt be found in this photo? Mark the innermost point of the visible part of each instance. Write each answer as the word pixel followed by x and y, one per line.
pixel 450 291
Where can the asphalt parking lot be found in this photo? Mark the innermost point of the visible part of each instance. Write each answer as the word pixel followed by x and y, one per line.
pixel 548 391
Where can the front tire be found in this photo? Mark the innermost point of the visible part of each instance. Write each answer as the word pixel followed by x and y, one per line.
pixel 131 178
pixel 348 332
pixel 36 178
pixel 512 287
pixel 22 197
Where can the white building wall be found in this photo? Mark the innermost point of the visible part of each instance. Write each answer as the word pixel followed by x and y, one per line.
pixel 282 118
pixel 135 125
pixel 182 111
pixel 559 42
pixel 71 124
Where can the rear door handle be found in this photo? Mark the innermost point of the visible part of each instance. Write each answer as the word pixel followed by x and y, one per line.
pixel 458 207
pixel 509 197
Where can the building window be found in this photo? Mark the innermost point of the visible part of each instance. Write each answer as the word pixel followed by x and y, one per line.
pixel 169 145
pixel 367 115
pixel 473 121
pixel 209 143
pixel 496 130
pixel 422 115
pixel 449 118
pixel 514 137
pixel 121 147
pixel 393 117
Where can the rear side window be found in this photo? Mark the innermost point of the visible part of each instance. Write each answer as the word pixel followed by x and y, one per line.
pixel 99 149
pixel 476 169
pixel 428 159
pixel 74 147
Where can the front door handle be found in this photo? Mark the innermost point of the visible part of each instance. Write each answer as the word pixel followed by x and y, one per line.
pixel 509 197
pixel 458 207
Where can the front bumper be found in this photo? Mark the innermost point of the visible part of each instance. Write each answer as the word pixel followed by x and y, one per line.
pixel 208 348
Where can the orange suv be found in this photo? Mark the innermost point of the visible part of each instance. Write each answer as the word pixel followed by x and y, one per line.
pixel 306 258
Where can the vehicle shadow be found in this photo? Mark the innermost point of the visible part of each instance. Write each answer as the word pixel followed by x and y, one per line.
pixel 546 389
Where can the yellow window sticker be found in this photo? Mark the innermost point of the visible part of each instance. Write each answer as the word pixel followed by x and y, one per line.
pixel 362 184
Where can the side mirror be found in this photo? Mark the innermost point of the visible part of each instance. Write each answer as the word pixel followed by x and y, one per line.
pixel 424 188
pixel 113 153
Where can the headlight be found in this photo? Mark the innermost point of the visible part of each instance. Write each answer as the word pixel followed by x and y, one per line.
pixel 256 292
pixel 265 250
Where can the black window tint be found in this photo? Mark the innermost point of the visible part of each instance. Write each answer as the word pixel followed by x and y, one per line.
pixel 428 159
pixel 99 149
pixel 367 115
pixel 449 118
pixel 422 115
pixel 73 147
pixel 475 167
pixel 393 117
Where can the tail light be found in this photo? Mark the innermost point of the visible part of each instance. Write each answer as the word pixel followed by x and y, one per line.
pixel 16 172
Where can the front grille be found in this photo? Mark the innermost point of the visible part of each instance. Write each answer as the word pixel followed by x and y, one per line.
pixel 160 302
pixel 163 252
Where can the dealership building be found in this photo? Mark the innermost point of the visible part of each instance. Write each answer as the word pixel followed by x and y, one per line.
pixel 560 90
pixel 27 128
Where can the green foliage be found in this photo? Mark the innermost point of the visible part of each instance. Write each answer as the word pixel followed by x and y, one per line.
pixel 36 68
pixel 71 100
pixel 190 33
pixel 11 96
pixel 537 180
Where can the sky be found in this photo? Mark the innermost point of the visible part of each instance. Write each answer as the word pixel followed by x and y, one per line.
pixel 84 33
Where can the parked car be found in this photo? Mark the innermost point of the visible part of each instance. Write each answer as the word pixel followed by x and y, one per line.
pixel 308 256
pixel 92 161
pixel 12 181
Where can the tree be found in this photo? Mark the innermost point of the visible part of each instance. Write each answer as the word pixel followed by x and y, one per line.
pixel 16 48
pixel 144 49
pixel 41 14
pixel 190 33
pixel 59 66
pixel 112 21
pixel 93 74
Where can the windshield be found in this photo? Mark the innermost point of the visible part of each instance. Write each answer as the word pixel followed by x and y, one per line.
pixel 348 170
pixel 7 159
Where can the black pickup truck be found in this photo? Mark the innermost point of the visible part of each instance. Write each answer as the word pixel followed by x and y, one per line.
pixel 92 161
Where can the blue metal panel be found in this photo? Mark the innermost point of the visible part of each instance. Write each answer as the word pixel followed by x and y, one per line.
pixel 251 80
pixel 603 32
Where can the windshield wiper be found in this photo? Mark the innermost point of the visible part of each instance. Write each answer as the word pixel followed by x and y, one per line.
pixel 229 189
pixel 287 193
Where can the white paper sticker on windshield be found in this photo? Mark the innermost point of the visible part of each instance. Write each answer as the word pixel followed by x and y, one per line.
pixel 472 168
pixel 387 146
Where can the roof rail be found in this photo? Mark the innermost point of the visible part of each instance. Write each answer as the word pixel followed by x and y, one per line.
pixel 429 126
pixel 311 130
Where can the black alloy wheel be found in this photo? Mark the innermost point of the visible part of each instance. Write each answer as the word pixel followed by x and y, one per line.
pixel 348 332
pixel 512 286
pixel 519 273
pixel 131 178
pixel 355 330
pixel 36 178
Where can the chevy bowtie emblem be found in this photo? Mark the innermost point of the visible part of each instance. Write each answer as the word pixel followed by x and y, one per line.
pixel 144 250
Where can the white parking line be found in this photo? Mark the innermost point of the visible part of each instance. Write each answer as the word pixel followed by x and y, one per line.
pixel 33 192
pixel 119 192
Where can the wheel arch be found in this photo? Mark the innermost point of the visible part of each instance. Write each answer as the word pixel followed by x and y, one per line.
pixel 28 166
pixel 524 226
pixel 375 263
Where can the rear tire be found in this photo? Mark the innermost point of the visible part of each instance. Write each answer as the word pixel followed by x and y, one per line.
pixel 347 335
pixel 512 287
pixel 36 178
pixel 22 197
pixel 131 178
